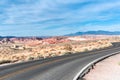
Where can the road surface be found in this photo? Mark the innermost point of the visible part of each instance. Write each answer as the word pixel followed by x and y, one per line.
pixel 57 68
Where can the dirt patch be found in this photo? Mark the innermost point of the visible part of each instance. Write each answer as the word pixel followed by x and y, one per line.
pixel 108 69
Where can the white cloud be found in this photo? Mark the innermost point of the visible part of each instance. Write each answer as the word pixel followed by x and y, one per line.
pixel 43 14
pixel 45 10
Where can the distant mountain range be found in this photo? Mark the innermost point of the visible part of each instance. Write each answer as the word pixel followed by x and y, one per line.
pixel 100 32
pixel 7 37
pixel 1 37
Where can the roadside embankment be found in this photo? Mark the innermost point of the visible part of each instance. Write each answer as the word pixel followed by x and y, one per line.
pixel 108 69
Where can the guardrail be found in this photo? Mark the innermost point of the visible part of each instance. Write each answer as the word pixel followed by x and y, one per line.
pixel 90 66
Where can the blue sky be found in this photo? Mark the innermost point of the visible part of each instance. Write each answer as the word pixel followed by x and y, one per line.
pixel 57 17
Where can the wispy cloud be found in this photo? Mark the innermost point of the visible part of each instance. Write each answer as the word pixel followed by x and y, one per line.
pixel 51 16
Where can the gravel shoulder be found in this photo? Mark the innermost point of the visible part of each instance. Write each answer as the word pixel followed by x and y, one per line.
pixel 108 69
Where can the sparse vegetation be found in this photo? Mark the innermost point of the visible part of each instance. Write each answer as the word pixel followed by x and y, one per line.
pixel 5 61
pixel 25 53
pixel 68 47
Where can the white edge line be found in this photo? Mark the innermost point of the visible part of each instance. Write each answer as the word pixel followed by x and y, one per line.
pixel 91 63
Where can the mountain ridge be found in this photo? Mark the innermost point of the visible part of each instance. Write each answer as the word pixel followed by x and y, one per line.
pixel 99 32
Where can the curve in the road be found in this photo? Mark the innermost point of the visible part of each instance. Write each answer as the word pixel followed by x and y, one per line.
pixel 57 68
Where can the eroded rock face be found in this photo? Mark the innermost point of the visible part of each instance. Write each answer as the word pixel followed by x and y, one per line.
pixel 34 41
pixel 55 40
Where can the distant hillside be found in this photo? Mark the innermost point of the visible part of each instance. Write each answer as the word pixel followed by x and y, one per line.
pixel 95 33
pixel 7 37
pixel 1 37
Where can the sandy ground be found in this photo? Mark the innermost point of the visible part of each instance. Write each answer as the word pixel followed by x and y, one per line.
pixel 108 69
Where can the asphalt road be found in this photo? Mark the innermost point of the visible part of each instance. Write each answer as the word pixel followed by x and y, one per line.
pixel 57 68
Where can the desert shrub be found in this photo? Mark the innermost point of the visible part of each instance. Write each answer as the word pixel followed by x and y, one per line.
pixel 39 57
pixel 31 58
pixel 5 61
pixel 67 53
pixel 86 50
pixel 68 47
